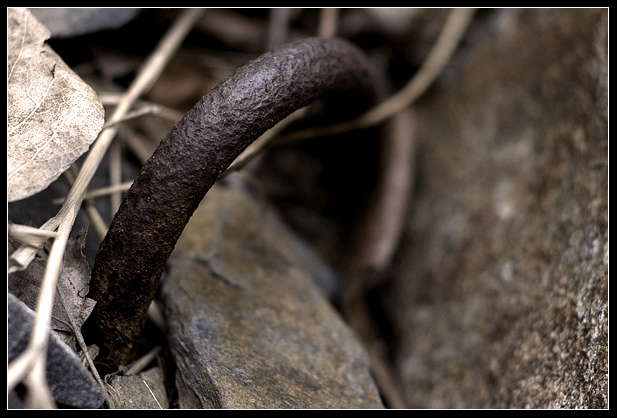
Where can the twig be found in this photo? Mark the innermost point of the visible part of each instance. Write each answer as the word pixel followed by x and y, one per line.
pixel 152 393
pixel 96 220
pixel 115 175
pixel 84 349
pixel 30 365
pixel 262 142
pixel 143 107
pixel 38 395
pixel 374 241
pixel 379 229
pixel 328 20
pixel 148 108
pixel 156 316
pixel 444 47
pixel 25 233
pixel 102 191
pixel 139 364
pixel 36 352
pixel 278 27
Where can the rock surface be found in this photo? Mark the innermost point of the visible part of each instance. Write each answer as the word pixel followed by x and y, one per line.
pixel 70 383
pixel 145 390
pixel 500 293
pixel 247 327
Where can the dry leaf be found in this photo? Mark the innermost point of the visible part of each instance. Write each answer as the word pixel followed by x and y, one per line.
pixel 52 115
pixel 73 281
pixel 71 290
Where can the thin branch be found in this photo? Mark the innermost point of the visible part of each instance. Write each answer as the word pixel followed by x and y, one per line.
pixel 152 393
pixel 138 365
pixel 328 22
pixel 374 240
pixel 37 348
pixel 102 191
pixel 115 175
pixel 112 99
pixel 19 367
pixel 29 234
pixel 96 220
pixel 148 108
pixel 262 142
pixel 278 27
pixel 84 349
pixel 38 394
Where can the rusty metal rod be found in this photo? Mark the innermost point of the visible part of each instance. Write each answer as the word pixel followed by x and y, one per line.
pixel 190 159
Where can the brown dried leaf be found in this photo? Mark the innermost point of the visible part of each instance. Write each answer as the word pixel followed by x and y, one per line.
pixel 52 115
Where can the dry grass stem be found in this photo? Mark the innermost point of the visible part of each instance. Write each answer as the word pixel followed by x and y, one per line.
pixel 328 22
pixel 115 174
pixel 103 191
pixel 148 108
pixel 96 220
pixel 262 142
pixel 36 353
pixel 152 393
pixel 141 363
pixel 29 234
pixel 278 27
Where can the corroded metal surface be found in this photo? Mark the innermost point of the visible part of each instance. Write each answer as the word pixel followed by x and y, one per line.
pixel 189 160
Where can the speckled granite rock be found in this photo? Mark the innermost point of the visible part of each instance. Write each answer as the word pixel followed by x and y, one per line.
pixel 500 296
pixel 247 327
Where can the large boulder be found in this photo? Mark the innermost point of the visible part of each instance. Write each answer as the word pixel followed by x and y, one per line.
pixel 500 293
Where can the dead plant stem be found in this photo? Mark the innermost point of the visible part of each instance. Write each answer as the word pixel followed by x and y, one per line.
pixel 328 20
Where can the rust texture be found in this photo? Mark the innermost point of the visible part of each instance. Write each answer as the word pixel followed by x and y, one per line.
pixel 189 160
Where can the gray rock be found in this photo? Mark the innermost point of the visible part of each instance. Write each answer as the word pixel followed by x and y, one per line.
pixel 69 22
pixel 247 327
pixel 500 294
pixel 71 384
pixel 145 390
